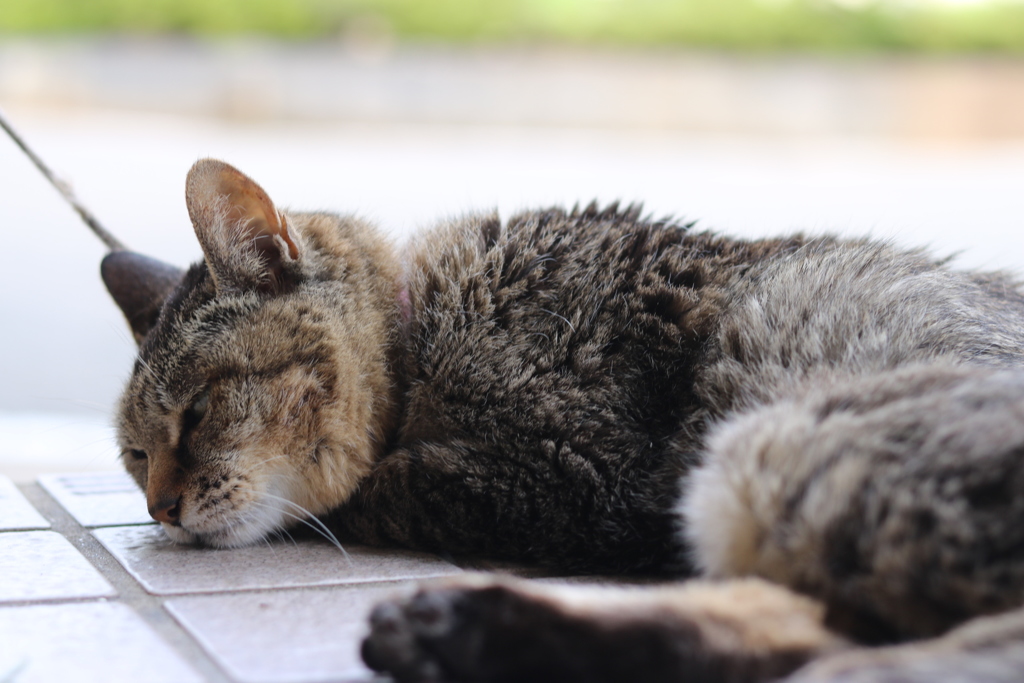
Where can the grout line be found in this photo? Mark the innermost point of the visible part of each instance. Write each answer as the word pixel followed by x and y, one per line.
pixel 149 607
pixel 153 610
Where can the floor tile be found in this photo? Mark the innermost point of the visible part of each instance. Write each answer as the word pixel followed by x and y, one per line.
pixel 99 498
pixel 283 636
pixel 42 565
pixel 85 642
pixel 165 568
pixel 15 511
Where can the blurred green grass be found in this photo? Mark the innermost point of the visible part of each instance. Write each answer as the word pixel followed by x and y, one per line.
pixel 815 25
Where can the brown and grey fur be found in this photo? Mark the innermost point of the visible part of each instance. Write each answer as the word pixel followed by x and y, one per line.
pixel 598 392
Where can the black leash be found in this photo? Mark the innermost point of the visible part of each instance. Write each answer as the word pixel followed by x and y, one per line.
pixel 112 242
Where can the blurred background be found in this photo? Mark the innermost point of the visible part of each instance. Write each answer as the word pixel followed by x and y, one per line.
pixel 902 119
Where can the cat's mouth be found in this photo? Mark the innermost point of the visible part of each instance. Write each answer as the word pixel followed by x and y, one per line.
pixel 242 527
pixel 236 535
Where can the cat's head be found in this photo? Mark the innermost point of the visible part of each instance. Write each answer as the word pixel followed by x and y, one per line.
pixel 262 391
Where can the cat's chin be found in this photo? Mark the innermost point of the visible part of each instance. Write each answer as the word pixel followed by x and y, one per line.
pixel 234 534
pixel 179 535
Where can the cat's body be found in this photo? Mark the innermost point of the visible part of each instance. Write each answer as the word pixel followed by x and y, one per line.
pixel 840 417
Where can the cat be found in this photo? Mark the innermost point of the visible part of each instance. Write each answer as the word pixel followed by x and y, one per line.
pixel 822 435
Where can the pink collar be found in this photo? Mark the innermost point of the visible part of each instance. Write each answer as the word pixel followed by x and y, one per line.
pixel 404 305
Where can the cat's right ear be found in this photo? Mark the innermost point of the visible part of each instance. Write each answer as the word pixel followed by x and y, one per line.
pixel 139 286
pixel 247 242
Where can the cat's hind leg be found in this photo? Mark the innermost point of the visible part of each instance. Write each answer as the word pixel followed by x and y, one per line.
pixel 898 499
pixel 985 650
pixel 490 630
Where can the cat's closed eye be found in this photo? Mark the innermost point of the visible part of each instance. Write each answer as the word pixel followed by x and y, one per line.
pixel 195 412
pixel 137 454
pixel 202 402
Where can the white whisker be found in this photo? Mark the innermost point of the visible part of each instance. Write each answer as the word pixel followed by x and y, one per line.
pixel 312 520
pixel 318 529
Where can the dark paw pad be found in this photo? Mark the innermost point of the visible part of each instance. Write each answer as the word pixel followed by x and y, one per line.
pixel 391 646
pixel 428 637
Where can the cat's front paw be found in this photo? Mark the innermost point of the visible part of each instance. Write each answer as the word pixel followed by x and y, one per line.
pixel 446 632
pixel 394 644
pixel 495 630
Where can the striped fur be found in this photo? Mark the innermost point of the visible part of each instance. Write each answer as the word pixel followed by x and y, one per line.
pixel 571 388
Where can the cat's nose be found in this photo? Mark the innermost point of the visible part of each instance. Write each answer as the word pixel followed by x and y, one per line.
pixel 166 510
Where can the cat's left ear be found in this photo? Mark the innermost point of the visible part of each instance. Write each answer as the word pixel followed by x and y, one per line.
pixel 247 242
pixel 139 285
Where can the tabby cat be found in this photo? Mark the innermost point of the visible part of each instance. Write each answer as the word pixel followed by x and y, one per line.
pixel 827 433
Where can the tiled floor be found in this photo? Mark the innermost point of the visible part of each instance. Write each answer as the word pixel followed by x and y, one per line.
pixel 90 590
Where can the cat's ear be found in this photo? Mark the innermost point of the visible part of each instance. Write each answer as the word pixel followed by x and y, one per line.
pixel 139 286
pixel 247 242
